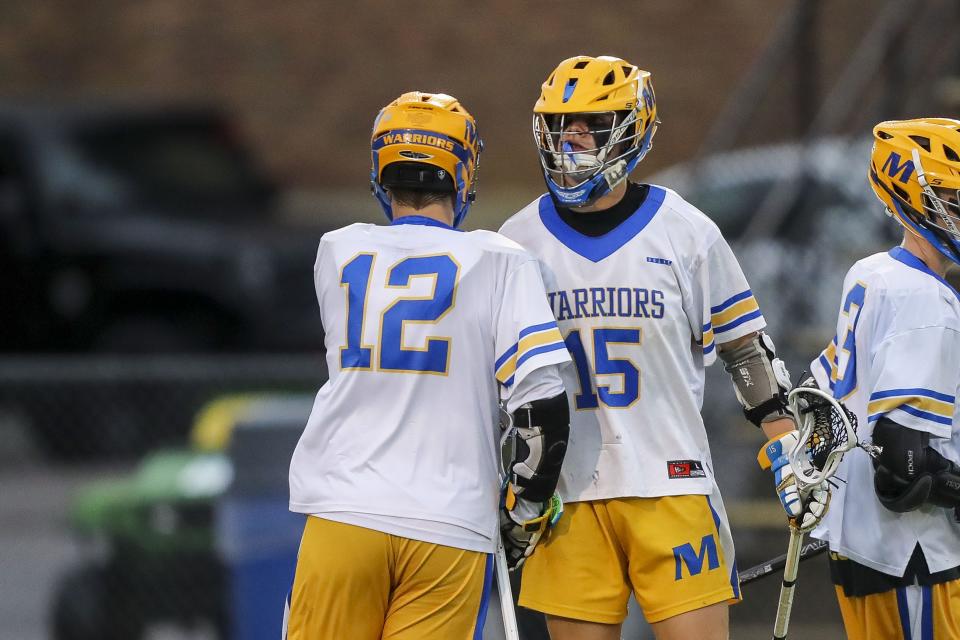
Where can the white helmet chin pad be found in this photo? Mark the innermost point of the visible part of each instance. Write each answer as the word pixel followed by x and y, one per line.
pixel 579 165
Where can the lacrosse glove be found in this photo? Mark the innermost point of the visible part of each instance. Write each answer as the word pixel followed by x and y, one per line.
pixel 804 511
pixel 523 523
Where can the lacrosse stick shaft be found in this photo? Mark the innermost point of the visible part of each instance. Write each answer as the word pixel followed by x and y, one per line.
pixel 502 570
pixel 764 569
pixel 790 569
pixel 510 630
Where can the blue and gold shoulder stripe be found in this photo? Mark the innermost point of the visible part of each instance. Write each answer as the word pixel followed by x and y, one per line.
pixel 730 314
pixel 534 340
pixel 926 404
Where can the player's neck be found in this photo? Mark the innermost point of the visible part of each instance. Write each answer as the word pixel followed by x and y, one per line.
pixel 605 201
pixel 926 252
pixel 441 212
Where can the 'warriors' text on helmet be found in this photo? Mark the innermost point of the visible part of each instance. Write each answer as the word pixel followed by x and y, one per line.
pixel 606 98
pixel 915 171
pixel 429 142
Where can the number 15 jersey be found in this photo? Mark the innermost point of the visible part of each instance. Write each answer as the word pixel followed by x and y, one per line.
pixel 423 324
pixel 641 309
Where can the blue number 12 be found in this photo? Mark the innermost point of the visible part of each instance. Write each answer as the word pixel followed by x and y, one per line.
pixel 435 357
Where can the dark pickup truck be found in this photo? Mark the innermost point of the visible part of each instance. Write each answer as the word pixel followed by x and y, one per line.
pixel 144 230
pixel 134 233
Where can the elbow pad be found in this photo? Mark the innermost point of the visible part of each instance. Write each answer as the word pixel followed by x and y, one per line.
pixel 909 473
pixel 760 379
pixel 540 443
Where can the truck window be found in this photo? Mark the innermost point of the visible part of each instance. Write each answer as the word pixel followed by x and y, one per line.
pixel 183 163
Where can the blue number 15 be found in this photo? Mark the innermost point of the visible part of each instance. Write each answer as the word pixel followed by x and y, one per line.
pixel 603 364
pixel 393 356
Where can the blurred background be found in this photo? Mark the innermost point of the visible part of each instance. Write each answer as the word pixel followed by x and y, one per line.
pixel 167 168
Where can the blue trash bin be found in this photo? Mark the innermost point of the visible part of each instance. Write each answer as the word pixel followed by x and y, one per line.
pixel 257 536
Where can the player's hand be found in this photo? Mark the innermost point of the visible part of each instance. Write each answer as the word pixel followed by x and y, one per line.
pixel 804 510
pixel 523 523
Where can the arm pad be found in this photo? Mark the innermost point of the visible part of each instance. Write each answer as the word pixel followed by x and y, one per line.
pixel 909 473
pixel 539 446
pixel 760 379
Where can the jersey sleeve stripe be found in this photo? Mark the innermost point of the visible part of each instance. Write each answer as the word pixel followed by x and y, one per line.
pixel 534 341
pixel 506 372
pixel 547 348
pixel 740 309
pixel 543 349
pixel 707 340
pixel 938 407
pixel 925 408
pixel 539 327
pixel 743 295
pixel 506 356
pixel 736 323
pixel 917 391
pixel 905 408
pixel 525 332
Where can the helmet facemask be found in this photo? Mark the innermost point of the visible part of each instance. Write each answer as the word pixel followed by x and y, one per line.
pixel 942 208
pixel 580 148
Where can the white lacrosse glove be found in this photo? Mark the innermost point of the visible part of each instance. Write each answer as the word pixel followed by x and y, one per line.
pixel 805 509
pixel 523 523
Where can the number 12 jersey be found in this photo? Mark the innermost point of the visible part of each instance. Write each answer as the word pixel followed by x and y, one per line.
pixel 427 328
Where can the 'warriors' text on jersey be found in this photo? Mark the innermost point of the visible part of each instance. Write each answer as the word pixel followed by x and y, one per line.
pixel 641 310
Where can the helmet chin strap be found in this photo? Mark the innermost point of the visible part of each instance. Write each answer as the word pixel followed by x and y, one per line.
pixel 616 174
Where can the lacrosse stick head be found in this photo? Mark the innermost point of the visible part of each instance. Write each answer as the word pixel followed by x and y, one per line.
pixel 827 431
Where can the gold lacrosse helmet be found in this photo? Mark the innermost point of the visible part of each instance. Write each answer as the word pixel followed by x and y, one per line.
pixel 606 98
pixel 915 171
pixel 429 142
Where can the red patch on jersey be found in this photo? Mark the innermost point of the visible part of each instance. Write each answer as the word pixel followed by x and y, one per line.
pixel 685 469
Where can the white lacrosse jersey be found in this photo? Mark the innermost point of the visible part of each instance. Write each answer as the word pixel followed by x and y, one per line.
pixel 641 309
pixel 896 353
pixel 426 329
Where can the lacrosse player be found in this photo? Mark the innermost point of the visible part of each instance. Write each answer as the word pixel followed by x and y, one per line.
pixel 646 292
pixel 427 328
pixel 895 362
